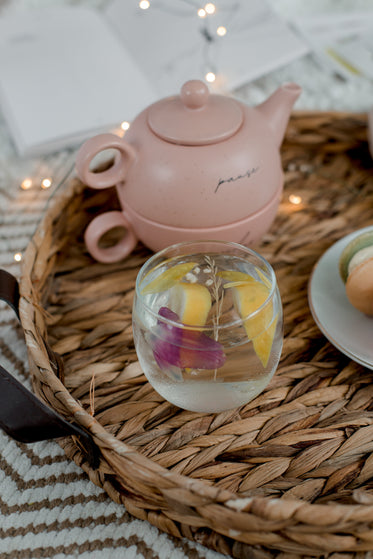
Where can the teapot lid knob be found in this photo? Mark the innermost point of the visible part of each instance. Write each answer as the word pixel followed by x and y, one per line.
pixel 194 94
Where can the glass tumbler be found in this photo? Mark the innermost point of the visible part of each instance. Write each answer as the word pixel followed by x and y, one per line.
pixel 207 324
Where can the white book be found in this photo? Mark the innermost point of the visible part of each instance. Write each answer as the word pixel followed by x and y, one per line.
pixel 65 76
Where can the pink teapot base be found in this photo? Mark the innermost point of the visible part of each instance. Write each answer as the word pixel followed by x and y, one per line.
pixel 156 236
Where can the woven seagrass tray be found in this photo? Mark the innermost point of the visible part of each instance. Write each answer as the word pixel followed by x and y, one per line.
pixel 288 475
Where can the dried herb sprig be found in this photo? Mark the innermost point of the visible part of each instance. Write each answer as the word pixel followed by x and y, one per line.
pixel 215 282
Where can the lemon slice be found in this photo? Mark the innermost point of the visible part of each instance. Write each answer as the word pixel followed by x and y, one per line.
pixel 191 302
pixel 263 277
pixel 263 343
pixel 248 296
pixel 260 328
pixel 168 278
pixel 236 276
pixel 242 277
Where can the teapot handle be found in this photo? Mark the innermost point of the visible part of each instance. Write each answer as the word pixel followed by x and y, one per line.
pixel 116 173
pixel 100 225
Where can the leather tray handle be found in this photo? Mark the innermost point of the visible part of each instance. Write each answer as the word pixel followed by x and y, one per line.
pixel 23 416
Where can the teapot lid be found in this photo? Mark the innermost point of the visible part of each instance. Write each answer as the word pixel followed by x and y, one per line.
pixel 195 117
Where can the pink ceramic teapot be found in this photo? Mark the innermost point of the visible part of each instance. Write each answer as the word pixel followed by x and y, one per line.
pixel 193 166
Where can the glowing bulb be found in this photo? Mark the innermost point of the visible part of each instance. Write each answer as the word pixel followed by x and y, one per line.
pixel 46 183
pixel 144 4
pixel 201 12
pixel 18 257
pixel 125 125
pixel 210 77
pixel 210 8
pixel 295 199
pixel 26 184
pixel 221 31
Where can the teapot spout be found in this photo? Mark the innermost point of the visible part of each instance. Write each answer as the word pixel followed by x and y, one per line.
pixel 277 108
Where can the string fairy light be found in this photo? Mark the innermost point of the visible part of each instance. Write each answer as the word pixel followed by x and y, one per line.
pixel 295 199
pixel 26 184
pixel 210 77
pixel 221 31
pixel 210 8
pixel 125 125
pixel 144 4
pixel 201 13
pixel 46 183
pixel 17 257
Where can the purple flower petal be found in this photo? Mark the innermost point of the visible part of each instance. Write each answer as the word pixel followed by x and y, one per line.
pixel 199 351
pixel 167 339
pixel 184 348
pixel 165 351
pixel 165 312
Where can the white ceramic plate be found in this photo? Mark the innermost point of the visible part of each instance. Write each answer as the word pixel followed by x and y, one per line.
pixel 345 327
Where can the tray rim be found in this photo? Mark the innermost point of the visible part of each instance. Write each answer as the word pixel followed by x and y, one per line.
pixel 270 508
